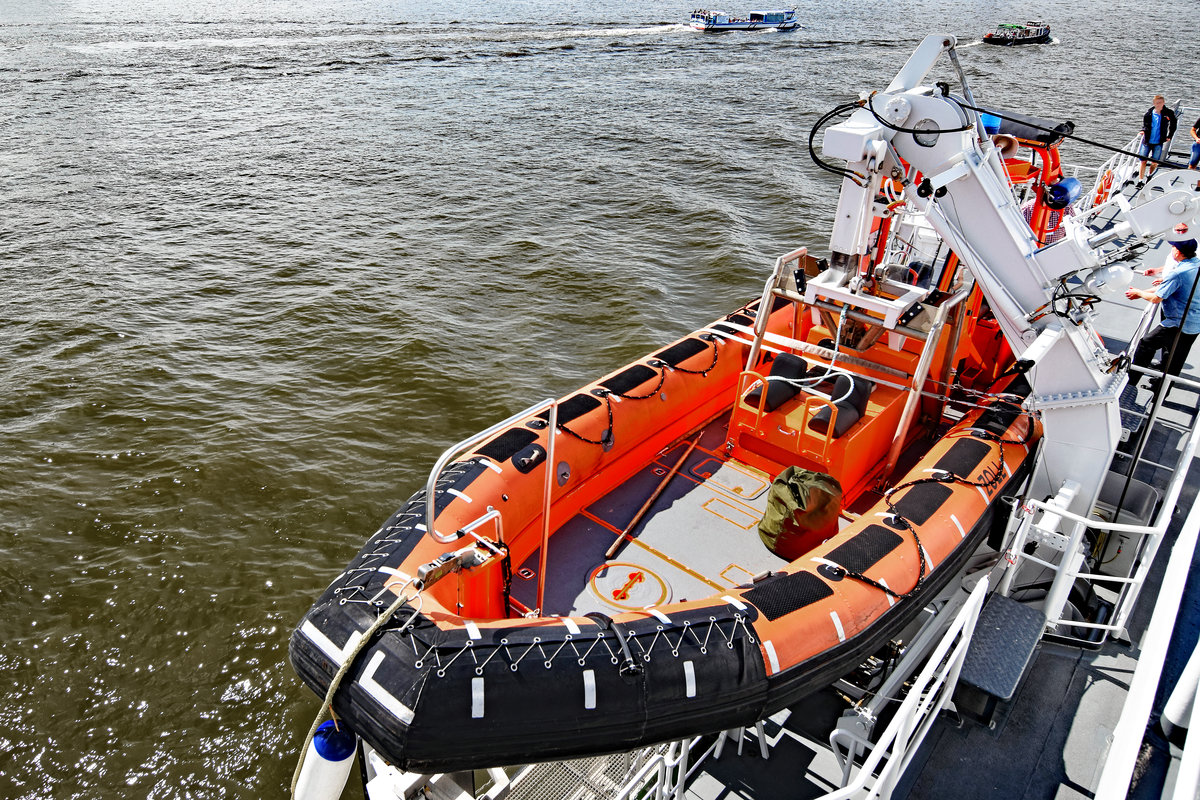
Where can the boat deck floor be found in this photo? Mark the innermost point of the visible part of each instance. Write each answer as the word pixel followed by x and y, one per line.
pixel 699 537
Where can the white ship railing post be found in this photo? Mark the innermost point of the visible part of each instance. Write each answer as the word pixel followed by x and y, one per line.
pixel 1130 728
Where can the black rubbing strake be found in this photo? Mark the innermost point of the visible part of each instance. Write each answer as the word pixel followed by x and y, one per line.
pixel 573 408
pixel 629 379
pixel 997 419
pixel 921 501
pixel 682 351
pixel 506 444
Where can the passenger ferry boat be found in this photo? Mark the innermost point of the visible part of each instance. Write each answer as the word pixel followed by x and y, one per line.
pixel 1008 34
pixel 883 483
pixel 716 21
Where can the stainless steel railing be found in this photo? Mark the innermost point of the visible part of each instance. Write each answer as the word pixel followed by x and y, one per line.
pixel 457 449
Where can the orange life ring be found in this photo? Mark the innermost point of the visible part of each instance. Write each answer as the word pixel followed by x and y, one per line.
pixel 1103 187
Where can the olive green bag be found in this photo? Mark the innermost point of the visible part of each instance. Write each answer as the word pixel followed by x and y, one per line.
pixel 802 511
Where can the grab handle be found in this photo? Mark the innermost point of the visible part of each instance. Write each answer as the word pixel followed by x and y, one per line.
pixel 457 449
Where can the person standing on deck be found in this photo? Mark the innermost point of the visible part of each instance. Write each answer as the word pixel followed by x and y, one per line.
pixel 1180 313
pixel 1158 126
pixel 1195 159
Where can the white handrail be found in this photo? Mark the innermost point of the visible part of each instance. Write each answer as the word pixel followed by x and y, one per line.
pixel 919 709
pixel 1187 779
pixel 1127 736
pixel 455 450
pixel 764 303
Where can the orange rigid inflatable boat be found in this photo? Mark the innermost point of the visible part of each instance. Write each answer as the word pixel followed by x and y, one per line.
pixel 594 579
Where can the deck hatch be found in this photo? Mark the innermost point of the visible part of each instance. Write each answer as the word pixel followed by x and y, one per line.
pixel 865 549
pixel 964 456
pixel 785 594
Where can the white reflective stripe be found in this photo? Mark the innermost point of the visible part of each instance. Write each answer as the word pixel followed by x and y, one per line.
pixel 689 678
pixel 733 601
pixel 570 623
pixel 925 555
pixel 772 659
pixel 476 698
pixel 420 526
pixel 472 629
pixel 961 533
pixel 382 695
pixel 491 465
pixel 837 623
pixel 589 688
pixel 658 615
pixel 1007 471
pixel 404 576
pixel 339 655
pixel 986 499
pixel 458 494
pixel 826 562
pixel 891 600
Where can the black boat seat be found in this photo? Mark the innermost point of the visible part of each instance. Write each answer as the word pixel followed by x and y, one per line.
pixel 853 393
pixel 786 367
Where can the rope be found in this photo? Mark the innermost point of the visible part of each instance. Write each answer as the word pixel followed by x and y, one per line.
pixel 716 354
pixel 608 431
pixel 662 377
pixel 1102 146
pixel 380 621
pixel 992 479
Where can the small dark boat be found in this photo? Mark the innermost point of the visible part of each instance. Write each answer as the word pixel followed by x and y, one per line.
pixel 1007 34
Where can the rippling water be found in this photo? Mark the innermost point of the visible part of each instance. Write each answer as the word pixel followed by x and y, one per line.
pixel 264 261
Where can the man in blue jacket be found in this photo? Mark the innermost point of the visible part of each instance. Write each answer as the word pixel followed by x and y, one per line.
pixel 1180 304
pixel 1158 126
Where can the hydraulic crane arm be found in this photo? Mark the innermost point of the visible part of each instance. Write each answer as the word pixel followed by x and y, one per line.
pixel 936 146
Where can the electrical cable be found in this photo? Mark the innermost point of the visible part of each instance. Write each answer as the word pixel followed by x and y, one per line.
pixel 966 126
pixel 856 177
pixel 1073 136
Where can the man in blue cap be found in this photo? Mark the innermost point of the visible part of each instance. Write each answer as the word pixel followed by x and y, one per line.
pixel 1180 304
